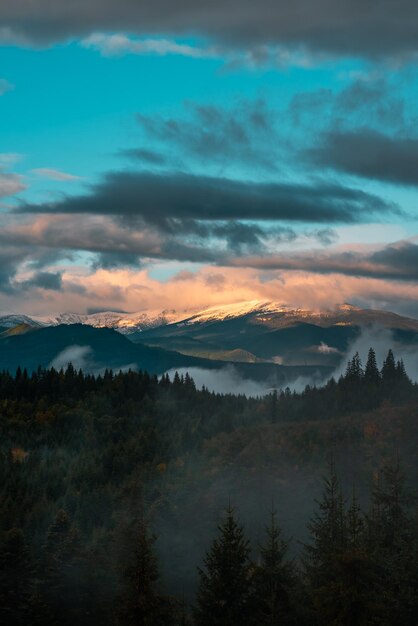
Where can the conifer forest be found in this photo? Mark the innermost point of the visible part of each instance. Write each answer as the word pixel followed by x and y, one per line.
pixel 128 499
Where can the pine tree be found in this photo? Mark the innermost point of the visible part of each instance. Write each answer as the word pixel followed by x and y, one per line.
pixel 139 576
pixel 140 604
pixel 224 593
pixel 16 579
pixel 328 543
pixel 371 373
pixel 372 382
pixel 354 371
pixel 63 571
pixel 389 369
pixel 352 592
pixel 273 579
pixel 394 543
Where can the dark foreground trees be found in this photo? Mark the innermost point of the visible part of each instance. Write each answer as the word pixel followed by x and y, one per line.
pixel 225 586
pixel 140 602
pixel 356 569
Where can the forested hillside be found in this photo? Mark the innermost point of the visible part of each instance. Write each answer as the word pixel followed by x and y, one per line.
pixel 115 487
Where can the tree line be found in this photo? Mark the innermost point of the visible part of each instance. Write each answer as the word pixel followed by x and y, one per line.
pixel 355 569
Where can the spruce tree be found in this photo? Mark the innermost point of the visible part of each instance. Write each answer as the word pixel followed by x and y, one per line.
pixel 389 369
pixel 63 572
pixel 393 540
pixel 139 576
pixel 322 554
pixel 371 373
pixel 16 579
pixel 140 604
pixel 273 579
pixel 352 597
pixel 372 381
pixel 225 582
pixel 354 371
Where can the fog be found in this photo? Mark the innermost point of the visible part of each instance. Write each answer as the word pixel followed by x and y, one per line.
pixel 229 380
pixel 82 357
pixel 225 380
pixel 381 340
pixel 79 356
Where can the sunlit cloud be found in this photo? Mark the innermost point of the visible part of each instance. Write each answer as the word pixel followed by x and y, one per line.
pixel 120 44
pixel 53 174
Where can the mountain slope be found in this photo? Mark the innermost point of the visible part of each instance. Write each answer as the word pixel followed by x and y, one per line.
pixel 248 332
pixel 278 334
pixel 94 349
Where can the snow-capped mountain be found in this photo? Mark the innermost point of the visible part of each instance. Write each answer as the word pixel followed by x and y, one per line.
pixel 273 315
pixel 254 332
pixel 278 315
pixel 125 323
pixel 11 320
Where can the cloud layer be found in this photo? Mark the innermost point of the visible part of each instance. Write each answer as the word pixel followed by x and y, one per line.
pixel 161 198
pixel 370 154
pixel 389 27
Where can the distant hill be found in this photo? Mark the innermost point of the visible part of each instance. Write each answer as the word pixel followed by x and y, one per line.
pixel 289 337
pixel 247 332
pixel 94 349
pixel 20 329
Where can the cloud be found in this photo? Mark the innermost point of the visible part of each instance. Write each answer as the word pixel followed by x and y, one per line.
pixel 5 86
pixel 397 261
pixel 225 380
pixel 323 348
pixel 10 259
pixel 9 158
pixel 145 155
pixel 119 44
pixel 10 184
pixel 52 174
pixel 161 198
pixel 381 340
pixel 369 154
pixel 243 134
pixel 43 280
pixel 83 357
pixel 138 289
pixel 78 356
pixel 343 27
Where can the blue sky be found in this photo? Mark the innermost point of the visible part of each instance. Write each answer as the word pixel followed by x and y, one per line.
pixel 74 109
pixel 242 159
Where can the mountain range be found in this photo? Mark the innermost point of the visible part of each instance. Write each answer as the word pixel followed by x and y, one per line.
pixel 262 340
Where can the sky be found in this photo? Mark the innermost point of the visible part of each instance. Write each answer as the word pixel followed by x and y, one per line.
pixel 179 155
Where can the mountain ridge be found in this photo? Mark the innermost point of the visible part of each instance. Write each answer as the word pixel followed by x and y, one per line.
pixel 265 312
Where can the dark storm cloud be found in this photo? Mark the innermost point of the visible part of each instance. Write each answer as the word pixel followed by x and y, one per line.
pixel 369 154
pixel 11 257
pixel 9 261
pixel 44 280
pixel 355 27
pixel 403 258
pixel 394 262
pixel 159 199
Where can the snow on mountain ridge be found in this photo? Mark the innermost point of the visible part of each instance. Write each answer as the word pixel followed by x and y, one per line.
pixel 124 323
pixel 11 320
pixel 270 313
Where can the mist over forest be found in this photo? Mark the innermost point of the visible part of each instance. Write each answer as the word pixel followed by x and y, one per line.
pixel 116 476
